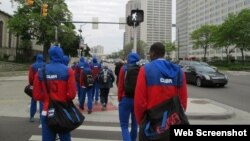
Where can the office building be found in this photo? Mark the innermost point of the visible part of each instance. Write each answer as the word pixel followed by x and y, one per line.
pixel 192 14
pixel 157 25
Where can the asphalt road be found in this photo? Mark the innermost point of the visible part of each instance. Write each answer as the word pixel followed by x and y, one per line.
pixel 236 93
pixel 19 129
pixel 14 111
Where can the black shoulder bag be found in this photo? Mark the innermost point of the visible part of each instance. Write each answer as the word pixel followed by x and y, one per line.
pixel 28 90
pixel 62 117
pixel 157 121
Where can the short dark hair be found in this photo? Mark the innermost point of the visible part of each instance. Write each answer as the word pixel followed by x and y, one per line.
pixel 158 48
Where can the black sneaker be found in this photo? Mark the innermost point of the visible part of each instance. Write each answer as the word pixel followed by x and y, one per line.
pixel 81 108
pixel 89 111
pixel 32 119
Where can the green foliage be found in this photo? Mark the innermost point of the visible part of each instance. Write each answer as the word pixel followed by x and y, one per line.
pixel 141 45
pixel 169 47
pixel 28 23
pixel 202 37
pixel 242 31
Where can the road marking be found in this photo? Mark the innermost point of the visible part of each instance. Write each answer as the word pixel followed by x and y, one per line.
pixel 39 138
pixel 96 128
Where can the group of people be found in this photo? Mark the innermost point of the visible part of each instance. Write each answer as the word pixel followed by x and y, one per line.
pixel 140 88
pixel 93 79
pixel 63 83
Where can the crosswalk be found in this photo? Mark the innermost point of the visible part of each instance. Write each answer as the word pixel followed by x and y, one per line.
pixel 84 130
pixel 39 138
pixel 98 126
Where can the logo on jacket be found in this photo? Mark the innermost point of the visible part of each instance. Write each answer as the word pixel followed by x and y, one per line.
pixel 167 81
pixel 51 76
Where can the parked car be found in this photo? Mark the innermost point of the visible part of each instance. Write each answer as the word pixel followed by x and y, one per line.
pixel 202 75
pixel 184 63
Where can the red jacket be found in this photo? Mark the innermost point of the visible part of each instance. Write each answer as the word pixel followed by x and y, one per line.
pixel 121 91
pixel 62 86
pixel 151 90
pixel 31 75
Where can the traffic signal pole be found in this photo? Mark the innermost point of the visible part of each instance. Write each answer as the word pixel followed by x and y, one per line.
pixel 135 40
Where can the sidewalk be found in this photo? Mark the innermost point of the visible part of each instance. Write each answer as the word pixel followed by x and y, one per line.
pixel 201 109
pixel 198 109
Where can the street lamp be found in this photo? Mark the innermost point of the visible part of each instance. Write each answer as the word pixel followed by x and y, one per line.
pixel 81 43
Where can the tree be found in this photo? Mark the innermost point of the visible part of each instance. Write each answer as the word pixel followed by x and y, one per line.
pixel 141 45
pixel 224 35
pixel 169 47
pixel 202 37
pixel 242 32
pixel 28 23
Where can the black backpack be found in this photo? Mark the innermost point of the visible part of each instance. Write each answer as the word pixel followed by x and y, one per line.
pixel 130 80
pixel 104 76
pixel 88 79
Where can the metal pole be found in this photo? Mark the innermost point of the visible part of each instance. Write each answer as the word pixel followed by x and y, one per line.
pixel 178 49
pixel 135 40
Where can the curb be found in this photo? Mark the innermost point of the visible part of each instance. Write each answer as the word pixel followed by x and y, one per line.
pixel 229 112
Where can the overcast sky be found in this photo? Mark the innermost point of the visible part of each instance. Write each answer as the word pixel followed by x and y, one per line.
pixel 109 36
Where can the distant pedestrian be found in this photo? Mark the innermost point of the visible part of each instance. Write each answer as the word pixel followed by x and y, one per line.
pixel 96 68
pixel 32 71
pixel 105 80
pixel 157 82
pixel 126 90
pixel 77 70
pixel 86 83
pixel 62 88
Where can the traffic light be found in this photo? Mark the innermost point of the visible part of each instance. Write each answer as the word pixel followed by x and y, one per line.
pixel 137 15
pixel 29 2
pixel 130 22
pixel 44 10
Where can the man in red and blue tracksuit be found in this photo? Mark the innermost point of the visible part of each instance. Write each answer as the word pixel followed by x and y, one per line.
pixel 96 69
pixel 85 90
pixel 62 87
pixel 32 71
pixel 126 104
pixel 78 68
pixel 157 82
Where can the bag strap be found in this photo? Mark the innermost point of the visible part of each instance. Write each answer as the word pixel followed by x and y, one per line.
pixel 178 82
pixel 45 81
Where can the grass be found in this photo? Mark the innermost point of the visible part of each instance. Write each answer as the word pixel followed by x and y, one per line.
pixel 237 66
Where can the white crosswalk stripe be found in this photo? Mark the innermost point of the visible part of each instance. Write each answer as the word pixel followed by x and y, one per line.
pixel 39 138
pixel 84 127
pixel 96 128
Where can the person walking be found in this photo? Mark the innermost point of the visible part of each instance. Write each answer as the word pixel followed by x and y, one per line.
pixel 77 70
pixel 157 82
pixel 126 86
pixel 32 71
pixel 105 81
pixel 62 88
pixel 86 83
pixel 96 68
